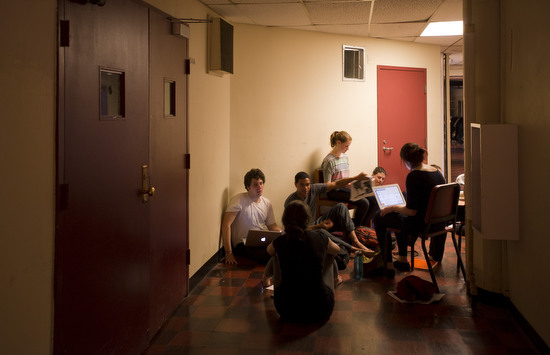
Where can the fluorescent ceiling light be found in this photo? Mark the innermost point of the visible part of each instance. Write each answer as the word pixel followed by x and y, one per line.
pixel 450 28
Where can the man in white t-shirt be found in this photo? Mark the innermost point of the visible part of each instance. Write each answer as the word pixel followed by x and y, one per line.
pixel 247 210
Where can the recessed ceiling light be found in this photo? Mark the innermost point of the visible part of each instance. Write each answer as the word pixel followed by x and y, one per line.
pixel 449 28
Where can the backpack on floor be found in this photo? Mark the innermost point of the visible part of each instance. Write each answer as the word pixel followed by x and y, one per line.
pixel 367 237
pixel 412 288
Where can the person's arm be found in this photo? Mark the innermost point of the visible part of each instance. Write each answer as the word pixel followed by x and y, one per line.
pixel 271 249
pixel 332 248
pixel 228 219
pixel 331 185
pixel 326 224
pixel 274 227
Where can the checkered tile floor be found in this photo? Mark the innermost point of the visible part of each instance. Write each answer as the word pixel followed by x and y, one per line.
pixel 230 313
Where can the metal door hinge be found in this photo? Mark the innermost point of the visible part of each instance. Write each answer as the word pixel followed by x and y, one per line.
pixel 63 203
pixel 187 161
pixel 188 66
pixel 64 33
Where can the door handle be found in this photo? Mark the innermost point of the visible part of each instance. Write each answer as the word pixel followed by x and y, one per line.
pixel 146 190
pixel 387 148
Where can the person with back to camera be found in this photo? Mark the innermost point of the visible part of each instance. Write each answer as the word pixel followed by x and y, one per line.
pixel 410 218
pixel 304 268
pixel 247 210
pixel 335 166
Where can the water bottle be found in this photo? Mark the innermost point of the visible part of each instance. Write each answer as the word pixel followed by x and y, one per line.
pixel 358 266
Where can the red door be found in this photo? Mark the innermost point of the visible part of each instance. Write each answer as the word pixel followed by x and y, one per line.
pixel 401 117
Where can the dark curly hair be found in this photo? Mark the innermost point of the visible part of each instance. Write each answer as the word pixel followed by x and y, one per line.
pixel 379 169
pixel 301 175
pixel 253 174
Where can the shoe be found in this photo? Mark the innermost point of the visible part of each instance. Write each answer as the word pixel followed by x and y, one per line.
pixel 401 266
pixel 390 273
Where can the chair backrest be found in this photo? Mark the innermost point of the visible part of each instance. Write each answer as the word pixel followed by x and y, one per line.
pixel 318 176
pixel 443 204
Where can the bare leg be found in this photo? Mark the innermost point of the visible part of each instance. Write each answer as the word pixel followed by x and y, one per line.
pixel 357 244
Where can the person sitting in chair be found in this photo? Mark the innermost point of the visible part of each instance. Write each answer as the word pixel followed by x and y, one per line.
pixel 410 218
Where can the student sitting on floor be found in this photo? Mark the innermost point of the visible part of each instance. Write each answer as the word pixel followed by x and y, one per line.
pixel 304 268
pixel 247 210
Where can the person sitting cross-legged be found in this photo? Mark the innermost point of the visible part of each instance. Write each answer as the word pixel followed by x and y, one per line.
pixel 338 217
pixel 304 267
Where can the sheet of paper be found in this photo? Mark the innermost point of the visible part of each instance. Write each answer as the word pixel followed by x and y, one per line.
pixel 360 189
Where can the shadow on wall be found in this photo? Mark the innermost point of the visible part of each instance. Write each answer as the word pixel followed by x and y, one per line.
pixel 315 159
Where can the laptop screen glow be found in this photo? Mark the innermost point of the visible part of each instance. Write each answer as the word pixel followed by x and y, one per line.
pixel 389 195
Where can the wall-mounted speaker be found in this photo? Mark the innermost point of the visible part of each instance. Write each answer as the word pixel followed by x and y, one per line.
pixel 220 46
pixel 180 30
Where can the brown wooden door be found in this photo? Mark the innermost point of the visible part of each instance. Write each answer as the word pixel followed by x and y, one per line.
pixel 168 122
pixel 402 117
pixel 102 270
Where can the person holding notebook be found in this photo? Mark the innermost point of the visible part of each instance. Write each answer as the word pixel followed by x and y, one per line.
pixel 335 166
pixel 247 210
pixel 335 219
pixel 410 218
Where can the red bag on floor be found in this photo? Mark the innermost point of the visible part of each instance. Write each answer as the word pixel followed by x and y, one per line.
pixel 367 237
pixel 412 288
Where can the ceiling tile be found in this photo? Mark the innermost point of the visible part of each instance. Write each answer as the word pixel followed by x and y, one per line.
pixel 276 14
pixel 352 30
pixel 216 2
pixel 349 13
pixel 232 14
pixel 442 40
pixel 392 11
pixel 397 30
pixel 264 1
pixel 450 10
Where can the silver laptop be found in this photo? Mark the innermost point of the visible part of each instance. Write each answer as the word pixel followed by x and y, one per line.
pixel 261 238
pixel 389 195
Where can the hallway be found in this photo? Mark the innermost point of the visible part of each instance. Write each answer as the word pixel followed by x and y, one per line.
pixel 230 312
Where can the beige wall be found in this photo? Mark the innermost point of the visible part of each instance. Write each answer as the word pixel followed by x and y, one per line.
pixel 287 97
pixel 525 97
pixel 506 81
pixel 27 142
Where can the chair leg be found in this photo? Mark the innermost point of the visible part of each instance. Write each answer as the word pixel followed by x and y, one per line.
pixel 412 255
pixel 426 256
pixel 387 246
pixel 460 233
pixel 458 255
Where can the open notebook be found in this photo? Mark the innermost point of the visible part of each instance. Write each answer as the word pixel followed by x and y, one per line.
pixel 389 195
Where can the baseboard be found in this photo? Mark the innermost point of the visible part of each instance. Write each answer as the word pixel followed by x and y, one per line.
pixel 198 276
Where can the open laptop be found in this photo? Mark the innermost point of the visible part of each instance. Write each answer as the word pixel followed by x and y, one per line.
pixel 389 195
pixel 261 238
